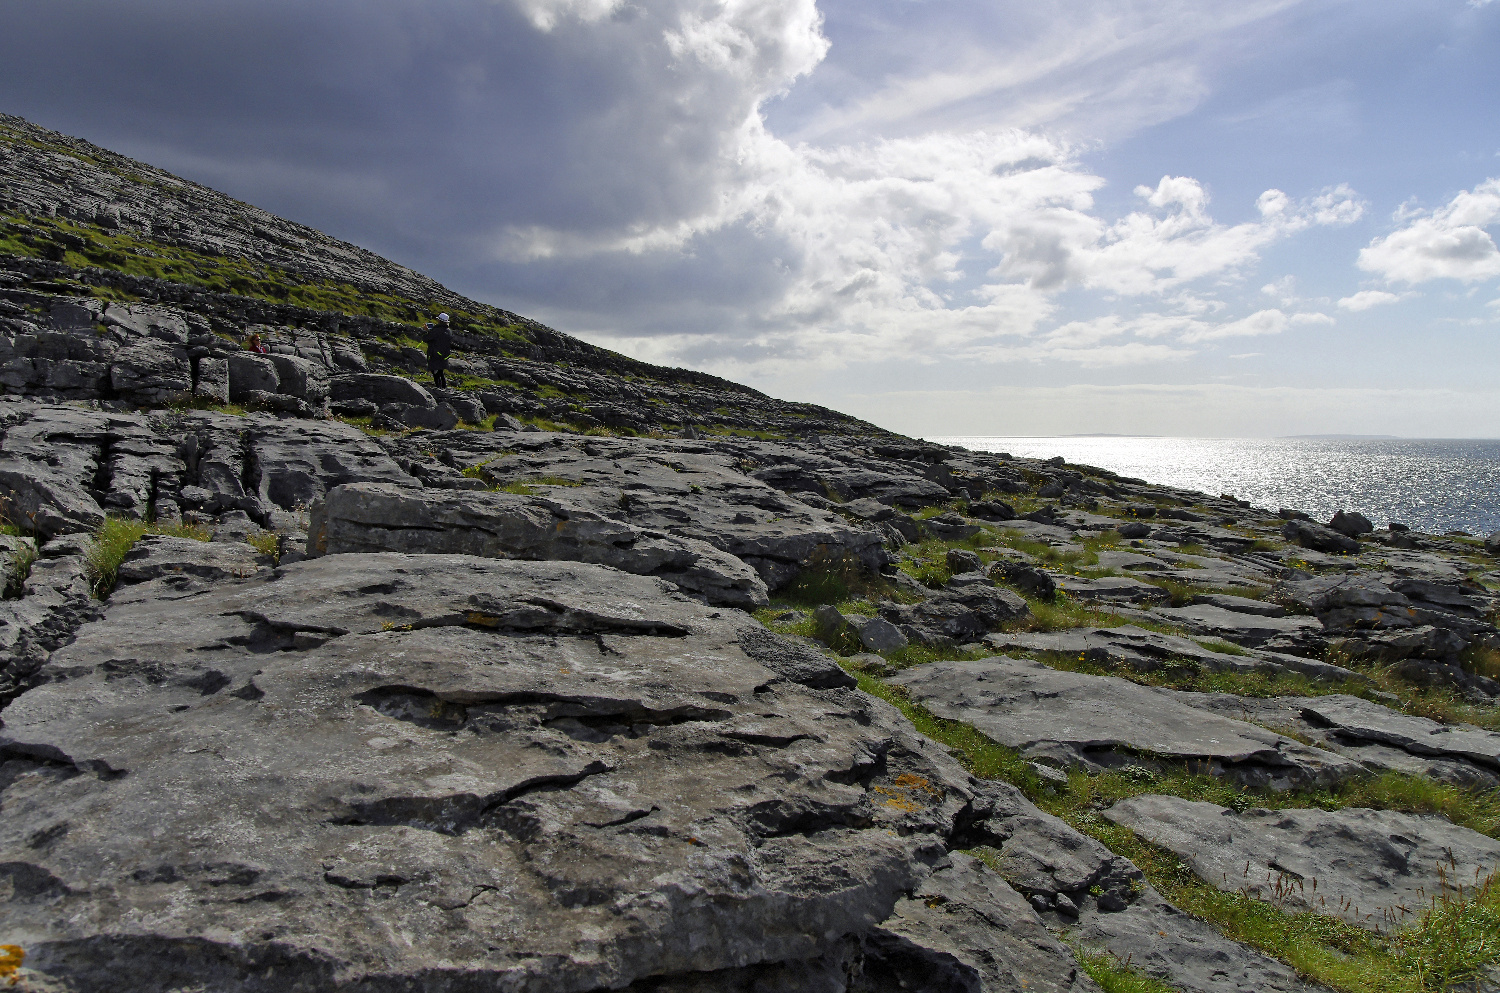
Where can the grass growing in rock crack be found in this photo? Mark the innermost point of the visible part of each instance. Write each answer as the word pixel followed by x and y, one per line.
pixel 526 487
pixel 113 541
pixel 835 580
pixel 19 572
pixel 1186 674
pixel 1482 660
pixel 267 543
pixel 1437 703
pixel 1065 612
pixel 1452 941
pixel 1114 976
pixel 1182 594
pixel 1442 952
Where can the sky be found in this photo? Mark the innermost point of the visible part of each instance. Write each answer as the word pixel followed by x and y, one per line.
pixel 1174 217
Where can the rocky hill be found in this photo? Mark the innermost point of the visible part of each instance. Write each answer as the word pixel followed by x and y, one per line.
pixel 587 674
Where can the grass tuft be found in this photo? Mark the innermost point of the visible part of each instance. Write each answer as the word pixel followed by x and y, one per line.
pixel 112 542
pixel 267 543
pixel 1114 976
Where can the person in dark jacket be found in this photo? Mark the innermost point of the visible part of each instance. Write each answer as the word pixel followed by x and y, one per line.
pixel 439 344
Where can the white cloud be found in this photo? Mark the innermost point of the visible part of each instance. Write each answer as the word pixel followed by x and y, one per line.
pixel 942 244
pixel 1283 290
pixel 608 165
pixel 1262 322
pixel 1448 243
pixel 1365 299
pixel 545 14
pixel 1100 69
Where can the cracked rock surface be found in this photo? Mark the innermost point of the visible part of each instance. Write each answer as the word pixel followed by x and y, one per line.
pixel 1374 868
pixel 1373 735
pixel 1074 719
pixel 443 772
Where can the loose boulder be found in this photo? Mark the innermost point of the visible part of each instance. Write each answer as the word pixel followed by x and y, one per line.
pixel 1318 538
pixel 380 389
pixel 249 373
pixel 1352 524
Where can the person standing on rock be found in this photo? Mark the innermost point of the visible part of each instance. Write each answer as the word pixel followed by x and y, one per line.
pixel 439 344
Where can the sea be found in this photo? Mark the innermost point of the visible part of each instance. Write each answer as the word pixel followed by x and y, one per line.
pixel 1432 485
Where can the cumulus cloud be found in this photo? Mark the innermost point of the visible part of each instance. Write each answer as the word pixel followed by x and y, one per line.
pixel 610 166
pixel 1365 299
pixel 1448 243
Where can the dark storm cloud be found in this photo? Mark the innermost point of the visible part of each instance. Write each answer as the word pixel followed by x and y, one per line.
pixel 420 129
pixel 603 165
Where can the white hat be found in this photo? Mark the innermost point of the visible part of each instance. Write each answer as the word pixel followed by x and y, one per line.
pixel 443 318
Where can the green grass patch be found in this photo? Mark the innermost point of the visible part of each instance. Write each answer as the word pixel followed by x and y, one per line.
pixel 1453 940
pixel 197 532
pixel 193 401
pixel 835 580
pixel 1065 612
pixel 267 543
pixel 756 433
pixel 88 246
pixel 1221 647
pixel 1458 941
pixel 526 487
pixel 20 570
pixel 1482 660
pixel 1114 976
pixel 112 541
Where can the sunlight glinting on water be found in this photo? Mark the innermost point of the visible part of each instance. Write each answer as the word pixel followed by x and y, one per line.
pixel 1431 485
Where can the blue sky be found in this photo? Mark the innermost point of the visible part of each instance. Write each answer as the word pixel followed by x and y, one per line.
pixel 1205 218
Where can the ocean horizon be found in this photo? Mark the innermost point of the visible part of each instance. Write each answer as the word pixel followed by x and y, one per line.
pixel 1434 485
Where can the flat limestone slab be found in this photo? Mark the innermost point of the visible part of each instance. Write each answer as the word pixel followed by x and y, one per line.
pixel 1374 868
pixel 1098 721
pixel 378 517
pixel 1290 714
pixel 1184 952
pixel 1112 589
pixel 1145 651
pixel 155 556
pixel 1242 629
pixel 443 772
pixel 1357 719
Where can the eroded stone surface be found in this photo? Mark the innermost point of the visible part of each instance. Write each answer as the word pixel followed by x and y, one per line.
pixel 1177 948
pixel 1244 628
pixel 155 556
pixel 690 490
pixel 1375 868
pixel 1355 719
pixel 1370 738
pixel 1099 721
pixel 370 517
pixel 1147 651
pixel 538 773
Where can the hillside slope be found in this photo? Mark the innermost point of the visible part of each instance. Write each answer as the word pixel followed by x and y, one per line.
pixel 78 218
pixel 586 674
